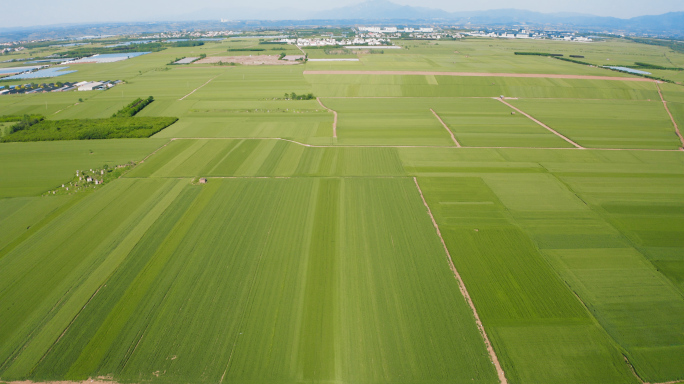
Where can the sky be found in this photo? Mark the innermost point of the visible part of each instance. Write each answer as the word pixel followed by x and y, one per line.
pixel 45 12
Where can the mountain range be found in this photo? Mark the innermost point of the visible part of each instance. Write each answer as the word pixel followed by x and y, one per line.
pixel 371 12
pixel 378 10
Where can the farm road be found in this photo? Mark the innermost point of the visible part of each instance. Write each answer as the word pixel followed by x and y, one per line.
pixel 334 120
pixel 446 127
pixel 464 292
pixel 543 125
pixel 679 134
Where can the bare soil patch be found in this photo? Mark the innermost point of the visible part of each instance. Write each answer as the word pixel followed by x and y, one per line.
pixel 246 60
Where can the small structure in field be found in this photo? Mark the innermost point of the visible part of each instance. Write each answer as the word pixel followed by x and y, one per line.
pixel 90 86
pixel 203 180
pixel 513 113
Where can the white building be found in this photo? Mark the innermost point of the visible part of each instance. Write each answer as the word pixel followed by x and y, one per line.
pixel 89 86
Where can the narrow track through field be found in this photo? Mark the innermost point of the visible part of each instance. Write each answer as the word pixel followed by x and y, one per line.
pixel 334 119
pixel 542 124
pixel 464 292
pixel 446 127
pixel 679 134
pixel 196 89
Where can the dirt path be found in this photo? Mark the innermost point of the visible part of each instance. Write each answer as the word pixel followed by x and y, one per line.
pixel 334 119
pixel 478 74
pixel 446 127
pixel 543 125
pixel 156 150
pixel 194 90
pixel 464 292
pixel 679 134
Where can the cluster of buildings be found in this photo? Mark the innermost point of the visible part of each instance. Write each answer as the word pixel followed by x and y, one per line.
pixel 527 34
pixel 57 87
pixel 395 30
pixel 196 34
pixel 413 33
pixel 322 42
pixel 7 49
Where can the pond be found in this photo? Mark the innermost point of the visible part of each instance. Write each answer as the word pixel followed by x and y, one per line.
pixel 630 70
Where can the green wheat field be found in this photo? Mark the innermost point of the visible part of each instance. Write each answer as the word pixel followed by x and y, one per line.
pixel 310 254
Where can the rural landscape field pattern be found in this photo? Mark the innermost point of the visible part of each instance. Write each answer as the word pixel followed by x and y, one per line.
pixel 434 215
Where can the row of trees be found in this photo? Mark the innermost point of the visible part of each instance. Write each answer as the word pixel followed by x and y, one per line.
pixel 136 106
pixel 294 96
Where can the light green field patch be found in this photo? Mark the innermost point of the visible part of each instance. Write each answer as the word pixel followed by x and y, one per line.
pixel 533 192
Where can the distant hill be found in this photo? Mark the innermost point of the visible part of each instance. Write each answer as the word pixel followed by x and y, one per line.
pixel 383 10
pixel 373 11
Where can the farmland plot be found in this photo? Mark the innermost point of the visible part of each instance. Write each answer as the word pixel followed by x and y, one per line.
pixel 266 158
pixel 29 169
pixel 458 86
pixel 606 124
pixel 302 280
pixel 387 122
pixel 539 329
pixel 483 122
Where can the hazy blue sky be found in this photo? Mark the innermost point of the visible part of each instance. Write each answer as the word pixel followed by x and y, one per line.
pixel 40 12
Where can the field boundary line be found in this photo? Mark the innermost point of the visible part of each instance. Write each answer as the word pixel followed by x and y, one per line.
pixel 70 324
pixel 479 74
pixel 464 291
pixel 422 146
pixel 194 90
pixel 679 134
pixel 446 127
pixel 334 119
pixel 542 124
pixel 155 151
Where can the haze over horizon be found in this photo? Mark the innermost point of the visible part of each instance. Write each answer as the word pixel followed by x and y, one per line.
pixel 47 12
